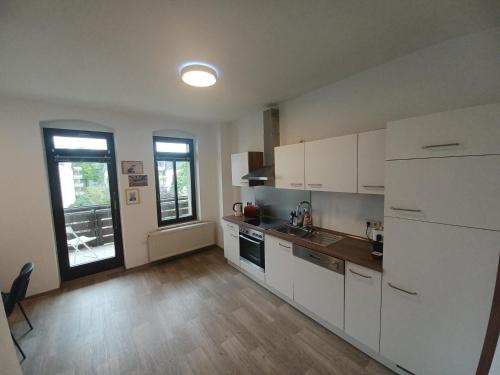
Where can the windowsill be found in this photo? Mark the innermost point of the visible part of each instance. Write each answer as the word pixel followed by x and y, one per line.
pixel 178 225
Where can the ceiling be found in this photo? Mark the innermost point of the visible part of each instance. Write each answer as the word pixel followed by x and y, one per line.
pixel 124 54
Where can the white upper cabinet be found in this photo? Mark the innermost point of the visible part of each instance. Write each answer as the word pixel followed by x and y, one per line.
pixel 279 265
pixel 289 166
pixel 460 191
pixel 469 131
pixel 437 289
pixel 371 160
pixel 331 164
pixel 362 304
pixel 242 164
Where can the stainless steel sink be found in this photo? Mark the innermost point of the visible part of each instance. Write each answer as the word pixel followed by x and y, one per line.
pixel 318 237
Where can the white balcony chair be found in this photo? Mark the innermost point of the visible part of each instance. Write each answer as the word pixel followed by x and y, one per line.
pixel 77 240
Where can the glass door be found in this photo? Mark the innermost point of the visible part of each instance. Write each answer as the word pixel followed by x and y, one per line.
pixel 83 185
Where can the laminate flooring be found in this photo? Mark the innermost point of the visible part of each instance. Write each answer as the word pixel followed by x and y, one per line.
pixel 192 315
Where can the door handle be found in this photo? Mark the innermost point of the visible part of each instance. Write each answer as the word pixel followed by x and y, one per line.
pixel 359 274
pixel 405 209
pixel 402 290
pixel 454 144
pixel 249 239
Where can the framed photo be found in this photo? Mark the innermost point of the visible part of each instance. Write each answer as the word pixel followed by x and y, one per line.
pixel 132 196
pixel 135 180
pixel 132 167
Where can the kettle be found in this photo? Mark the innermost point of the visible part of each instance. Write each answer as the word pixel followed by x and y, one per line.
pixel 238 209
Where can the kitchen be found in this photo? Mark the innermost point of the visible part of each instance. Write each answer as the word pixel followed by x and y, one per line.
pixel 254 187
pixel 377 289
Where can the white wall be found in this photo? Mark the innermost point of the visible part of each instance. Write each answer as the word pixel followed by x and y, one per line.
pixel 457 73
pixel 26 228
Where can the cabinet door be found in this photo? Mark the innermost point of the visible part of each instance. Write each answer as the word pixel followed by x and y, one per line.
pixel 289 166
pixel 319 290
pixel 232 243
pixel 460 191
pixel 362 304
pixel 239 168
pixel 331 164
pixel 437 291
pixel 279 265
pixel 468 131
pixel 371 160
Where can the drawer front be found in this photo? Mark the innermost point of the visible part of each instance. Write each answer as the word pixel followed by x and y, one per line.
pixel 437 290
pixel 460 191
pixel 231 227
pixel 279 265
pixel 362 304
pixel 469 131
pixel 319 290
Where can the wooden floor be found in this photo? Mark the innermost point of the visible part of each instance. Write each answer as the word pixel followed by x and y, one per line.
pixel 194 315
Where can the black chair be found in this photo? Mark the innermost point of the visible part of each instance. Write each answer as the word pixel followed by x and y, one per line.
pixel 16 295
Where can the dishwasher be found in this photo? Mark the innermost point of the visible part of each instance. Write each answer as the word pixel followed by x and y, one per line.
pixel 318 283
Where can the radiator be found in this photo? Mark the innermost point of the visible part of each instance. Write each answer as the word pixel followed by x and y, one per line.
pixel 174 241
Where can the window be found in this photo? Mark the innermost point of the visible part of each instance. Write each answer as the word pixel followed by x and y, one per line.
pixel 175 188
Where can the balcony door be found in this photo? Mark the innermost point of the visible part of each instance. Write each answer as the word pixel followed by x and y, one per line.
pixel 84 193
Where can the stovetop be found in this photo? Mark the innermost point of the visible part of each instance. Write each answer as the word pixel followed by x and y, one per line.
pixel 266 222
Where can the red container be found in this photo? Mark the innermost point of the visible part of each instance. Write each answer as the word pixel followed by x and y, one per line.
pixel 251 210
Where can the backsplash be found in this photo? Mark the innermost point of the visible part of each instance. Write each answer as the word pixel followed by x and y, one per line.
pixel 344 212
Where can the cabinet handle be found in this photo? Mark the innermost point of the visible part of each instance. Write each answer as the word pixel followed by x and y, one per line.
pixel 315 185
pixel 296 184
pixel 286 247
pixel 244 182
pixel 359 274
pixel 314 257
pixel 373 186
pixel 454 144
pixel 234 235
pixel 405 209
pixel 402 290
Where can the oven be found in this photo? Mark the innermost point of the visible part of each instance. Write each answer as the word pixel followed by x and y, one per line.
pixel 252 247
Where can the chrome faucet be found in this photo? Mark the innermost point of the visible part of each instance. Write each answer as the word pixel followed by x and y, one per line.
pixel 300 215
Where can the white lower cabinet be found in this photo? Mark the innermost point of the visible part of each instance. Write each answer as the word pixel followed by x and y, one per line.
pixel 279 265
pixel 232 243
pixel 437 291
pixel 362 304
pixel 319 290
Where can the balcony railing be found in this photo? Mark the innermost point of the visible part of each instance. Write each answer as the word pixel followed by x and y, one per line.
pixel 91 221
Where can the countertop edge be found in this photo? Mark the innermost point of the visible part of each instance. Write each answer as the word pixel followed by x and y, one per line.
pixel 335 250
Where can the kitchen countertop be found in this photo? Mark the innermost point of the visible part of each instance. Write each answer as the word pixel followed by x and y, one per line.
pixel 351 248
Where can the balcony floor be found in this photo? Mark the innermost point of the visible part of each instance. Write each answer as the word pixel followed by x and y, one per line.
pixel 86 256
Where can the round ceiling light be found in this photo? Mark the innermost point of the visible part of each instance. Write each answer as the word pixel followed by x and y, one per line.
pixel 198 75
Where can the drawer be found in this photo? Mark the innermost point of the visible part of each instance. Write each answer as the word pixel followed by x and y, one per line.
pixel 469 131
pixel 231 227
pixel 460 191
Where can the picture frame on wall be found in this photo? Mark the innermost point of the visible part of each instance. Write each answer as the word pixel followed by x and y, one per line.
pixel 132 196
pixel 135 180
pixel 132 167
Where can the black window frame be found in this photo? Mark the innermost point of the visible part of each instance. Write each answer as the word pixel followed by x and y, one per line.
pixel 174 157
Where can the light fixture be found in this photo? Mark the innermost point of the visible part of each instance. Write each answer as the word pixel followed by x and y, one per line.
pixel 198 74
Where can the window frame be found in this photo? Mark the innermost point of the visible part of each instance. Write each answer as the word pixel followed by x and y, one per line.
pixel 174 157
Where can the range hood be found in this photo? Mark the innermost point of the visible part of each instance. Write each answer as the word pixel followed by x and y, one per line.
pixel 271 139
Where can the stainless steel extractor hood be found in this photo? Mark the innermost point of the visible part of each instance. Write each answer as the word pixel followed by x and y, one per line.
pixel 271 140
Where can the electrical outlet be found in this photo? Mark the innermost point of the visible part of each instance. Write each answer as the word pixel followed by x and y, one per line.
pixel 374 224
